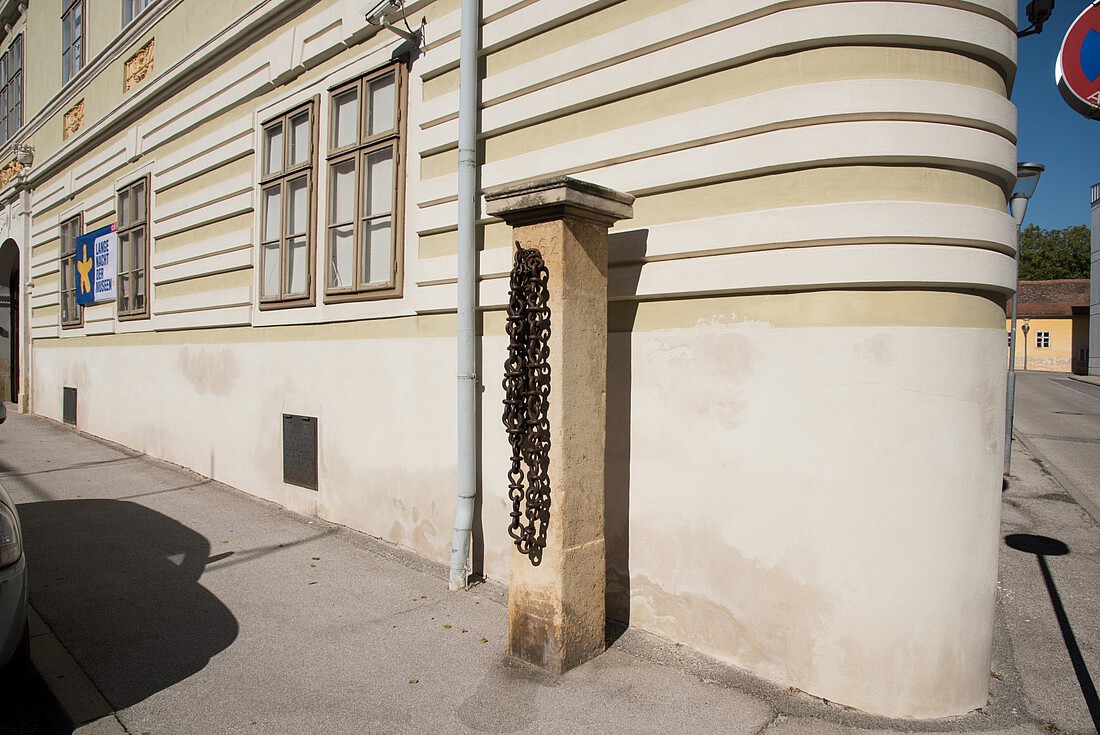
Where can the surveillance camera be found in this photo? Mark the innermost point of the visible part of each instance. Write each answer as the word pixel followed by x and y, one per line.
pixel 376 14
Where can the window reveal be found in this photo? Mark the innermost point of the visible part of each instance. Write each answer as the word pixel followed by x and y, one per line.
pixel 132 9
pixel 11 90
pixel 72 39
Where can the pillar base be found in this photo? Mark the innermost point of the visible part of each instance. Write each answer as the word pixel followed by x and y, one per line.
pixel 560 626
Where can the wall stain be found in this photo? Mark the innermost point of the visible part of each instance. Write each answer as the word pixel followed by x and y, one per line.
pixel 209 371
pixel 716 354
pixel 875 349
pixel 768 618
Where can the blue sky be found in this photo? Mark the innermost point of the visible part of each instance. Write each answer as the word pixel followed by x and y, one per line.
pixel 1050 132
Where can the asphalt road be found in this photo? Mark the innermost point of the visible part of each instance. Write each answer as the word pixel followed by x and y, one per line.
pixel 1060 417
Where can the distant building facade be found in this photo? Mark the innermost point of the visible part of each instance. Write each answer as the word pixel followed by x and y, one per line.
pixel 1094 291
pixel 1053 326
pixel 811 289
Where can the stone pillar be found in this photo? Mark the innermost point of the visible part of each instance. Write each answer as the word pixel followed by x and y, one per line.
pixel 556 609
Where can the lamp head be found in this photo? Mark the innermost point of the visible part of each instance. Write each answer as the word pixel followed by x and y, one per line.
pixel 1027 181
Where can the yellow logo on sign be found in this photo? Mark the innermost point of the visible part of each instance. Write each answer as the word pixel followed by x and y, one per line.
pixel 84 267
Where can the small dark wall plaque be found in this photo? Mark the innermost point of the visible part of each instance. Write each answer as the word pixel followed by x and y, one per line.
pixel 68 405
pixel 300 450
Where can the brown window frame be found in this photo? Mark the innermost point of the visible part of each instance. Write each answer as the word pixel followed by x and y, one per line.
pixel 126 270
pixel 365 145
pixel 71 229
pixel 11 89
pixel 281 178
pixel 72 53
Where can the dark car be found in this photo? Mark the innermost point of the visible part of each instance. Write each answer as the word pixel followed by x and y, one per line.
pixel 14 636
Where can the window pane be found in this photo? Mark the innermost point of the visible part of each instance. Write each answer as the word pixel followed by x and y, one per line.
pixel 139 290
pixel 297 266
pixel 345 119
pixel 15 117
pixel 379 184
pixel 342 193
pixel 272 214
pixel 270 269
pixel 377 253
pixel 125 253
pixel 273 148
pixel 139 201
pixel 139 248
pixel 78 55
pixel 66 32
pixel 124 208
pixel 381 105
pixel 78 19
pixel 124 291
pixel 67 242
pixel 299 139
pixel 341 249
pixel 298 200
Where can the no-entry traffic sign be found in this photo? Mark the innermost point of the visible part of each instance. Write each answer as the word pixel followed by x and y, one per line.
pixel 1078 68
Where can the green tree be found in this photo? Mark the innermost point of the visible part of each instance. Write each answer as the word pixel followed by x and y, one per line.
pixel 1049 254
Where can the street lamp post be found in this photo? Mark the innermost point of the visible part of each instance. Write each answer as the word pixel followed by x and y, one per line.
pixel 1027 180
pixel 1026 328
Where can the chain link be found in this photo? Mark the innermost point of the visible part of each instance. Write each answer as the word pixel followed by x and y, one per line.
pixel 527 400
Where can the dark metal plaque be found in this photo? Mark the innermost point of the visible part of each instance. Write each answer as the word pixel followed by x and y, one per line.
pixel 300 450
pixel 68 405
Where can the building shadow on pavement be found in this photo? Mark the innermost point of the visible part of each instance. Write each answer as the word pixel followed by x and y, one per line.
pixel 118 584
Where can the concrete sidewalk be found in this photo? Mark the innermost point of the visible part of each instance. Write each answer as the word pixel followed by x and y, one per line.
pixel 169 603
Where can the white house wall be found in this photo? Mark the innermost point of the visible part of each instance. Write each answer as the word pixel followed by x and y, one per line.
pixel 805 389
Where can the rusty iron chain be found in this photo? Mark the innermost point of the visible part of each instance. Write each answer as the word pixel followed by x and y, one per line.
pixel 527 400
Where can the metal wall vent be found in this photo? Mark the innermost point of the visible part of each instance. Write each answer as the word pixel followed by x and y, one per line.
pixel 68 405
pixel 300 450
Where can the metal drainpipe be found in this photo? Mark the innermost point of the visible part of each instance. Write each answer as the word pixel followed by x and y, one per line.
pixel 25 346
pixel 467 293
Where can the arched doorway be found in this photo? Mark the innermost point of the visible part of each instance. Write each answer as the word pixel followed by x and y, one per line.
pixel 9 320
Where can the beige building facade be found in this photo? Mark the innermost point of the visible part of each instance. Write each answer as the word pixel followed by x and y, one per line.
pixel 1053 326
pixel 805 365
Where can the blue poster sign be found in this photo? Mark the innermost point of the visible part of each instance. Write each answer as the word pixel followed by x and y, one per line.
pixel 97 266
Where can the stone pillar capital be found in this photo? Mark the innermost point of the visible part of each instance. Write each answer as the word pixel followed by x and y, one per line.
pixel 556 198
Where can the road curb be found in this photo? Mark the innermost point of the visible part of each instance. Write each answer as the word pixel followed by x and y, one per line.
pixel 1062 480
pixel 72 703
pixel 1090 379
